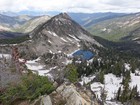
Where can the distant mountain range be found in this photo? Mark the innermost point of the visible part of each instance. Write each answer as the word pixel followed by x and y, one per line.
pixel 19 24
pixel 111 26
pixel 87 20
pixel 118 29
pixel 28 26
pixel 12 22
pixel 8 25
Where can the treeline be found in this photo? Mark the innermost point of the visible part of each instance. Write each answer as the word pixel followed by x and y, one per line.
pixel 15 40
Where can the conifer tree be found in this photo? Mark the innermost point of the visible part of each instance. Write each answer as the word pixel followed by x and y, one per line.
pixel 101 77
pixel 119 93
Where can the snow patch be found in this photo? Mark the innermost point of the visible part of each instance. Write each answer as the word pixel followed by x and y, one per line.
pixel 63 39
pixel 67 62
pixel 59 51
pixel 127 66
pixel 71 54
pixel 135 81
pixel 37 67
pixel 86 80
pixel 97 87
pixel 78 45
pixel 52 33
pixel 7 56
pixel 136 38
pixel 50 51
pixel 111 86
pixel 112 103
pixel 72 36
pixel 49 41
pixel 69 39
pixel 49 32
pixel 104 29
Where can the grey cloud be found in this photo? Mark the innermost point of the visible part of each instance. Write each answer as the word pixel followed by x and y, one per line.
pixel 71 5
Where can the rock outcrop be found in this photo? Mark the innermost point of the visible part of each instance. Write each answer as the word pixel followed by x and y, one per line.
pixel 68 95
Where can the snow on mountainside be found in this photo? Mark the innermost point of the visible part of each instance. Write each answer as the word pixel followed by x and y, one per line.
pixel 60 33
pixel 13 22
pixel 37 67
pixel 111 85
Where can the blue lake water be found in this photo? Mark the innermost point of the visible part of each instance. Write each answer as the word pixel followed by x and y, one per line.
pixel 84 54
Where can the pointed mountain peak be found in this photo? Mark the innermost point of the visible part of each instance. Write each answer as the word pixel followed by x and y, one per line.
pixel 60 33
pixel 63 15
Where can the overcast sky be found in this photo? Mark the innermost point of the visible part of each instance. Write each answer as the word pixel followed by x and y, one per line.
pixel 87 6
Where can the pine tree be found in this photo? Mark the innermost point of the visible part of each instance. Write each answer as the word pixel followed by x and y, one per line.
pixel 133 65
pixel 103 95
pixel 72 73
pixel 136 91
pixel 126 92
pixel 134 94
pixel 119 93
pixel 101 77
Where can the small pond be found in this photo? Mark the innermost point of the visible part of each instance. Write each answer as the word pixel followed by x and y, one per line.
pixel 84 54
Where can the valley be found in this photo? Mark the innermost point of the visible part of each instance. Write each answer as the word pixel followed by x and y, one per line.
pixel 118 29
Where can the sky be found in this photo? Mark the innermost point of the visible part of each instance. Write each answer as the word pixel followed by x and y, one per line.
pixel 83 6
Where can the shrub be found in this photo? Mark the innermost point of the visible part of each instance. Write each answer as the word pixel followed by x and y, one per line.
pixel 72 74
pixel 32 87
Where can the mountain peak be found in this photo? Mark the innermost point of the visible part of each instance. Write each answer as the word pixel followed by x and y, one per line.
pixel 63 15
pixel 60 33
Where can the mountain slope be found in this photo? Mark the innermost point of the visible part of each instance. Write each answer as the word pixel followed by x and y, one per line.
pixel 121 28
pixel 11 27
pixel 87 20
pixel 12 22
pixel 60 33
pixel 28 26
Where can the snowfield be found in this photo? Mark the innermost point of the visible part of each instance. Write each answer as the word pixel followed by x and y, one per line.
pixel 135 80
pixel 110 86
pixel 37 67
